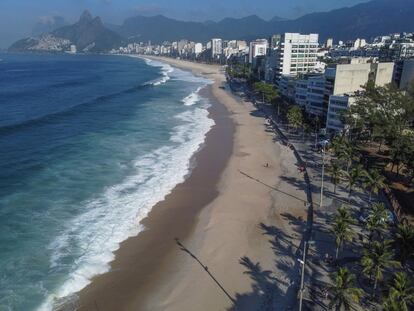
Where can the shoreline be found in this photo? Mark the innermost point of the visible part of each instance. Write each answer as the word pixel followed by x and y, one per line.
pixel 200 179
pixel 224 218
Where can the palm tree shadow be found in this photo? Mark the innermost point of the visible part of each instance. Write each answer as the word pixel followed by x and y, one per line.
pixel 264 292
pixel 186 250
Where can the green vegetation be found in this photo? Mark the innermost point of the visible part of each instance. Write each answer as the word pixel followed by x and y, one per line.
pixel 404 241
pixel 377 220
pixel 374 182
pixel 295 117
pixel 385 115
pixel 376 259
pixel 268 91
pixel 335 171
pixel 353 177
pixel 401 294
pixel 341 228
pixel 343 291
pixel 239 71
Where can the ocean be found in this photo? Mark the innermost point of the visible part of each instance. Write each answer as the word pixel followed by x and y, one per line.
pixel 88 145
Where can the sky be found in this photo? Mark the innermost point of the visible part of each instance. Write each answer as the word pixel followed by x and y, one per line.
pixel 17 17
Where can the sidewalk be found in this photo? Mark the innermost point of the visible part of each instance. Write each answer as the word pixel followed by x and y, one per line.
pixel 318 271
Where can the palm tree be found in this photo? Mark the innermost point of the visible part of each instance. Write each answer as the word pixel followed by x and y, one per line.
pixel 404 239
pixel 344 294
pixel 295 117
pixel 343 214
pixel 377 220
pixel 336 173
pixel 343 233
pixel 376 259
pixel 348 154
pixel 339 143
pixel 374 181
pixel 391 304
pixel 353 177
pixel 341 228
pixel 401 293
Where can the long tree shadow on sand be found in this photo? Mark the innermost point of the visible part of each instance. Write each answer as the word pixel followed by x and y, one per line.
pixel 264 289
pixel 185 249
pixel 270 292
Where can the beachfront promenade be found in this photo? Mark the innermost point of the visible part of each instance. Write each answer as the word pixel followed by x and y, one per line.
pixel 321 247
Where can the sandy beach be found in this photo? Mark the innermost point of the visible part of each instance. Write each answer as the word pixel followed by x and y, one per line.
pixel 240 221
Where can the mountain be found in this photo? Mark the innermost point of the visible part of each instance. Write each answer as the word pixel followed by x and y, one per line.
pixel 160 28
pixel 48 24
pixel 240 27
pixel 277 19
pixel 88 34
pixel 363 20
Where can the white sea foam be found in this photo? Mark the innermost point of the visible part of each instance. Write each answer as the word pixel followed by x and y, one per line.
pixel 184 76
pixel 165 71
pixel 193 98
pixel 114 215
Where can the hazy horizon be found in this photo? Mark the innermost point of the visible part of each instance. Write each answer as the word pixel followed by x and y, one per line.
pixel 115 12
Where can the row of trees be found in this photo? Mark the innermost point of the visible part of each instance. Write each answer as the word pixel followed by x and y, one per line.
pixel 267 91
pixel 239 71
pixel 379 255
pixel 384 253
pixel 346 167
pixel 400 293
pixel 385 115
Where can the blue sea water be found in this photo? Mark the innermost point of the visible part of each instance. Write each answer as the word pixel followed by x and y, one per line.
pixel 88 144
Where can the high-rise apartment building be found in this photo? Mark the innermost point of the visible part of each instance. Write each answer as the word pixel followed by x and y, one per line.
pixel 216 47
pixel 198 48
pixel 296 54
pixel 257 48
pixel 329 43
pixel 344 81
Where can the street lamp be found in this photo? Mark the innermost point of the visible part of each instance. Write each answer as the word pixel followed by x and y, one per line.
pixel 323 175
pixel 302 278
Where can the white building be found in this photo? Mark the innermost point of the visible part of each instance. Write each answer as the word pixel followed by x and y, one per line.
pixel 73 49
pixel 257 48
pixel 343 81
pixel 235 47
pixel 329 43
pixel 313 91
pixel 198 48
pixel 216 47
pixel 359 43
pixel 296 54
